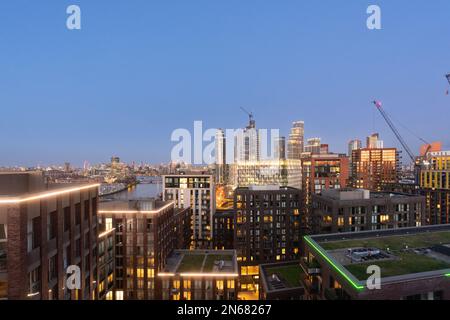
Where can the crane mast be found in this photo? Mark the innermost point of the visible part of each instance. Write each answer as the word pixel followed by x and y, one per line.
pixel 394 129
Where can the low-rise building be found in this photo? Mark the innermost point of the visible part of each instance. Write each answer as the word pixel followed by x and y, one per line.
pixel 353 210
pixel 281 281
pixel 200 275
pixel 412 264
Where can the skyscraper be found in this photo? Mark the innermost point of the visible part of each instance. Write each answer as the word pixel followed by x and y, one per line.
pixel 221 156
pixel 354 145
pixel 280 149
pixel 296 140
pixel 247 144
pixel 374 142
pixel 313 146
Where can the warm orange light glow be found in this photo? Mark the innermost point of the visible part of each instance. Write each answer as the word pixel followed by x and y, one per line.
pixel 200 275
pixel 39 196
pixel 103 234
pixel 137 211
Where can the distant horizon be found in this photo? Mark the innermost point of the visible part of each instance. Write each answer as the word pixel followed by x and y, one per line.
pixel 136 72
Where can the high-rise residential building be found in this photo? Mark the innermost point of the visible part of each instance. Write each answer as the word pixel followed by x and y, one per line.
pixel 221 157
pixel 361 210
pixel 322 172
pixel 313 146
pixel 247 144
pixel 353 145
pixel 414 264
pixel 223 229
pixel 146 233
pixel 267 228
pixel 374 142
pixel 434 182
pixel 197 192
pixel 296 142
pixel 373 169
pixel 45 232
pixel 280 149
pixel 200 275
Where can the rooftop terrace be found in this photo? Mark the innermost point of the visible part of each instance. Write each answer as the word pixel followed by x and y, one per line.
pixel 202 262
pixel 399 253
pixel 282 276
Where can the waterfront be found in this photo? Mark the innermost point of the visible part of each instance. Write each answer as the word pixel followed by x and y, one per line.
pixel 141 190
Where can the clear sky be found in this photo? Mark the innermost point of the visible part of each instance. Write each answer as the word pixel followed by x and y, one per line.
pixel 140 69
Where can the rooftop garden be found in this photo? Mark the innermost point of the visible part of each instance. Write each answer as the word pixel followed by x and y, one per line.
pixel 421 240
pixel 201 262
pixel 212 258
pixel 191 263
pixel 289 274
pixel 406 261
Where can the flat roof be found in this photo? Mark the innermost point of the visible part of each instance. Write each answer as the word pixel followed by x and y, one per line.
pixel 137 205
pixel 215 263
pixel 402 254
pixel 281 276
pixel 52 191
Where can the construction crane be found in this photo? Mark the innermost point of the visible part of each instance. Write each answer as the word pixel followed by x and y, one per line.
pixel 397 134
pixel 251 119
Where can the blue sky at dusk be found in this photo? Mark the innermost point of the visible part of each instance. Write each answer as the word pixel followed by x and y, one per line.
pixel 140 69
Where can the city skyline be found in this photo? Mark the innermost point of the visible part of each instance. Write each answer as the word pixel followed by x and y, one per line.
pixel 138 72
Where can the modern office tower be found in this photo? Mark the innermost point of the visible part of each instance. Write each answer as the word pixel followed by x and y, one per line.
pixel 221 158
pixel 373 169
pixel 374 142
pixel 267 172
pixel 200 275
pixel 267 228
pixel 147 231
pixel 280 149
pixel 223 229
pixel 361 210
pixel 414 264
pixel 354 145
pixel 313 146
pixel 434 182
pixel 281 281
pixel 44 230
pixel 197 192
pixel 296 140
pixel 247 144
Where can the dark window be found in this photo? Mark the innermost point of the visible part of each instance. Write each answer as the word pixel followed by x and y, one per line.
pixel 36 237
pixel 52 225
pixel 52 268
pixel 78 214
pixel 86 210
pixel 66 219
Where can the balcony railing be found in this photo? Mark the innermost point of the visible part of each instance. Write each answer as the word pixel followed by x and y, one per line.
pixel 310 267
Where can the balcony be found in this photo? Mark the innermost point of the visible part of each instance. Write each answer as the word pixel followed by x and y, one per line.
pixel 310 267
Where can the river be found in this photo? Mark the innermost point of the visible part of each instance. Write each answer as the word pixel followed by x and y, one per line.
pixel 141 190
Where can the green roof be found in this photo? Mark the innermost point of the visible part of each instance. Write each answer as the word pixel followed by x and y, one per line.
pixel 289 274
pixel 405 260
pixel 421 240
